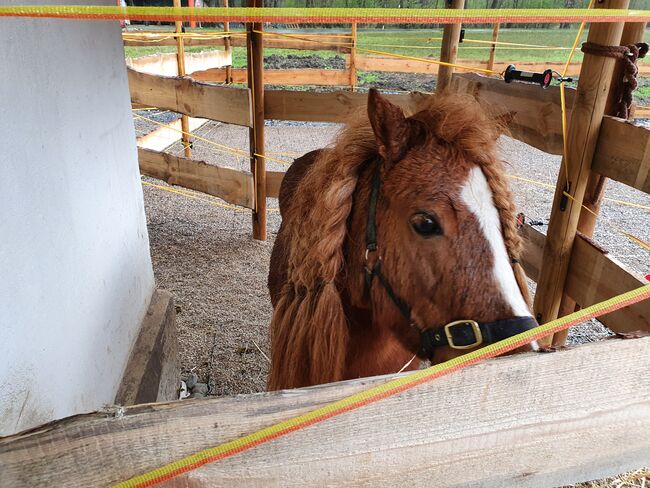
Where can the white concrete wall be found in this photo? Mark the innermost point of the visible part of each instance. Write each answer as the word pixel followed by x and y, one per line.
pixel 75 269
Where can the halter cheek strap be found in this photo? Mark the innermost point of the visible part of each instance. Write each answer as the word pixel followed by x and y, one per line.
pixel 460 334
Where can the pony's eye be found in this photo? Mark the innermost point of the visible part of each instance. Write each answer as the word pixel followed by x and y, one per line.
pixel 426 225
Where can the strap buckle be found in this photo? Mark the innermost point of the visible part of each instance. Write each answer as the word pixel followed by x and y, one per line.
pixel 478 337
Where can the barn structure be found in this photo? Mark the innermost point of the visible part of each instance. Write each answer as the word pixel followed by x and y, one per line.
pixel 85 330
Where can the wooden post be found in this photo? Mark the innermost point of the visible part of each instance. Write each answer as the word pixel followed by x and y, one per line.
pixel 582 134
pixel 493 49
pixel 449 48
pixel 632 33
pixel 353 58
pixel 255 51
pixel 180 60
pixel 227 48
pixel 190 3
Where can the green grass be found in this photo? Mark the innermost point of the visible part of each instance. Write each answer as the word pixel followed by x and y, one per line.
pixel 377 40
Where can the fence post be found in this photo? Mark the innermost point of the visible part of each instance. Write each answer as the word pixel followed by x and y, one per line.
pixel 255 51
pixel 353 58
pixel 582 134
pixel 632 33
pixel 227 48
pixel 493 49
pixel 180 61
pixel 449 48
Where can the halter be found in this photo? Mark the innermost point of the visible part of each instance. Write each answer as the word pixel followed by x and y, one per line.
pixel 459 334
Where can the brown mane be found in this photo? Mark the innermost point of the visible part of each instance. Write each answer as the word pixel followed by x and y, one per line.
pixel 309 326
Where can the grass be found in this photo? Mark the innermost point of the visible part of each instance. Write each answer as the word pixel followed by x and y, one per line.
pixel 418 43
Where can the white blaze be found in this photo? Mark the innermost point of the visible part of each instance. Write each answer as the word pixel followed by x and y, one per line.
pixel 477 195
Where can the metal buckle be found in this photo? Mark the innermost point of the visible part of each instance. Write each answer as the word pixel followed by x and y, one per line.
pixel 475 328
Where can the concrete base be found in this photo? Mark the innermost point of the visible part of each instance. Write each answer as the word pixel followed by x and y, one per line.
pixel 153 371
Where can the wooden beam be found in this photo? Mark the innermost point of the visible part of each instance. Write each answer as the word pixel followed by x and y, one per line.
pixel 153 373
pixel 512 421
pixel 255 58
pixel 165 64
pixel 273 182
pixel 538 114
pixel 585 123
pixel 623 153
pixel 593 276
pixel 352 64
pixel 230 185
pixel 311 43
pixel 493 47
pixel 317 77
pixel 329 106
pixel 180 63
pixel 193 98
pixel 449 48
pixel 227 47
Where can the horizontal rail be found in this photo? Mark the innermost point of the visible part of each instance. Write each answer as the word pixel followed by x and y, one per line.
pixel 517 415
pixel 231 185
pixel 320 77
pixel 193 98
pixel 623 153
pixel 593 276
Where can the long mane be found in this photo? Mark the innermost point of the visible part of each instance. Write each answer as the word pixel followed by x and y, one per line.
pixel 309 329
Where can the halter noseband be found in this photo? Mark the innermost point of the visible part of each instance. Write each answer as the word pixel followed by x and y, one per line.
pixel 459 334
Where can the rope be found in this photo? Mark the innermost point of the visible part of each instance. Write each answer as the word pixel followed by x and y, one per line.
pixel 628 83
pixel 372 395
pixel 329 15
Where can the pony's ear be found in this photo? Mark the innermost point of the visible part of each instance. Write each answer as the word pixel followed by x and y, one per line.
pixel 390 127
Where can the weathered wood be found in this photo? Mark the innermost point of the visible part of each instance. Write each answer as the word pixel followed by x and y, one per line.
pixel 311 43
pixel 193 98
pixel 512 421
pixel 327 107
pixel 352 64
pixel 180 62
pixel 153 372
pixel 321 77
pixel 255 57
pixel 230 185
pixel 226 47
pixel 493 47
pixel 623 153
pixel 596 184
pixel 593 276
pixel 163 137
pixel 449 48
pixel 582 135
pixel 538 114
pixel 273 182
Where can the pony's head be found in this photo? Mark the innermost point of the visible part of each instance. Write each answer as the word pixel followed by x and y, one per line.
pixel 406 223
pixel 442 245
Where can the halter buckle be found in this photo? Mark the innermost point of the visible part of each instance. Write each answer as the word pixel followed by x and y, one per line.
pixel 475 329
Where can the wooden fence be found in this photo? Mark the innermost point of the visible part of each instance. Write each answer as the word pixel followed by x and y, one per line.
pixel 529 420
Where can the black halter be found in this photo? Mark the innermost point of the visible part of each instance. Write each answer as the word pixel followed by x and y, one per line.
pixel 460 334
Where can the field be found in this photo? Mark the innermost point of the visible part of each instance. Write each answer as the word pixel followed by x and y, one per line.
pixel 426 44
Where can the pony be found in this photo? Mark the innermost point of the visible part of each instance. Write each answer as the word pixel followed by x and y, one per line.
pixel 398 240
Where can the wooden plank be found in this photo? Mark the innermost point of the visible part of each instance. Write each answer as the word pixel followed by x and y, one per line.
pixel 493 47
pixel 449 48
pixel 273 182
pixel 153 372
pixel 255 63
pixel 593 276
pixel 227 48
pixel 319 77
pixel 163 137
pixel 311 43
pixel 193 98
pixel 180 65
pixel 352 61
pixel 586 120
pixel 327 107
pixel 623 153
pixel 512 421
pixel 538 114
pixel 231 185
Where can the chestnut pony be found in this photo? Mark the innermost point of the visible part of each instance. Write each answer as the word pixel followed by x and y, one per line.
pixel 399 240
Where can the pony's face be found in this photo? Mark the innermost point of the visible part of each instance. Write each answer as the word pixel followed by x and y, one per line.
pixel 439 231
